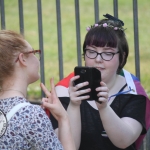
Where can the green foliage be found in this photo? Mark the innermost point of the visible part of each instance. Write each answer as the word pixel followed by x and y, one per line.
pixel 69 33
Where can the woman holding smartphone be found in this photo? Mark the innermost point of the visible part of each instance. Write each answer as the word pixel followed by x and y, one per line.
pixel 117 120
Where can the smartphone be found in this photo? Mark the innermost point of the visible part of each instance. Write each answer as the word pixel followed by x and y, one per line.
pixel 93 76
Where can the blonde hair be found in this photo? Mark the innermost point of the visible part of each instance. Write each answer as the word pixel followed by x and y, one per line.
pixel 11 43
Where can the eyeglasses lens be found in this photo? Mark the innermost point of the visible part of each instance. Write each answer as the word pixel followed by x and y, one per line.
pixel 104 56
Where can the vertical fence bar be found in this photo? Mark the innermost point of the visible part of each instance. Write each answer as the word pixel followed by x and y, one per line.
pixel 96 10
pixel 148 140
pixel 40 31
pixel 2 9
pixel 77 15
pixel 59 36
pixel 21 20
pixel 136 38
pixel 115 8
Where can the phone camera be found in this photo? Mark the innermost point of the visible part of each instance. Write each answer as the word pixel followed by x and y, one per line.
pixel 83 71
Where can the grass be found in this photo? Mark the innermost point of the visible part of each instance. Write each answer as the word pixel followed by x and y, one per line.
pixel 69 33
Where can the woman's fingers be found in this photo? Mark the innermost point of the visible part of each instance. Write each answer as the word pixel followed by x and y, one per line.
pixel 102 92
pixel 102 88
pixel 75 89
pixel 47 93
pixel 52 102
pixel 44 103
pixel 53 92
pixel 45 90
pixel 51 96
pixel 72 81
pixel 80 85
pixel 81 92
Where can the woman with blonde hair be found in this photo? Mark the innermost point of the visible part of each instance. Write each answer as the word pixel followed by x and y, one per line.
pixel 28 126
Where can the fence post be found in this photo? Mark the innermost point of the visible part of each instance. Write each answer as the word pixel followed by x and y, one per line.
pixel 2 10
pixel 136 38
pixel 96 10
pixel 116 8
pixel 77 15
pixel 21 21
pixel 40 31
pixel 59 36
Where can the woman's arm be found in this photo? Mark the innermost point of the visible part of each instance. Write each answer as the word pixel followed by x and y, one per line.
pixel 53 104
pixel 74 108
pixel 64 134
pixel 121 131
pixel 75 122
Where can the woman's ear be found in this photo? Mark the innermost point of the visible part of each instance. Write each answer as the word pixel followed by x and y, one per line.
pixel 22 59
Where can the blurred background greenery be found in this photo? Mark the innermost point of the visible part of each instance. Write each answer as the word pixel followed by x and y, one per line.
pixel 69 33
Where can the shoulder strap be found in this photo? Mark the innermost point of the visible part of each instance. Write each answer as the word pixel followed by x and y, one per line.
pixel 12 112
pixel 123 88
pixel 130 82
pixel 15 109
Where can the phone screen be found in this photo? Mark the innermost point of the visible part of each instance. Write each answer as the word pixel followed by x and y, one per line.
pixel 90 74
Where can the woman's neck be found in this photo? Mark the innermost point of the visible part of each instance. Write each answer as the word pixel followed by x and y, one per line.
pixel 11 93
pixel 110 84
pixel 116 84
pixel 13 89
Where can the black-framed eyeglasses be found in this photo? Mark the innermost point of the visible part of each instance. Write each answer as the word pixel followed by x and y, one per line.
pixel 107 56
pixel 37 53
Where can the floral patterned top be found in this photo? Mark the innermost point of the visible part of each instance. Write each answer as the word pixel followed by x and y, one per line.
pixel 29 128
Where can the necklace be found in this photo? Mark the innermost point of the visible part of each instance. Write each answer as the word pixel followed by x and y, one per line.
pixel 1 90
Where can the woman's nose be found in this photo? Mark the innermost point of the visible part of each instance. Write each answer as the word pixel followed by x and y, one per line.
pixel 99 58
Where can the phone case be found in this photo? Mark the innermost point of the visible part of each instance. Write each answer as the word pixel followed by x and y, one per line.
pixel 92 75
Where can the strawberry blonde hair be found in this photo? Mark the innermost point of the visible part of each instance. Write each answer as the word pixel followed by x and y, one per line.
pixel 11 44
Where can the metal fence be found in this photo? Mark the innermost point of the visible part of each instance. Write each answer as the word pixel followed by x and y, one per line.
pixel 145 145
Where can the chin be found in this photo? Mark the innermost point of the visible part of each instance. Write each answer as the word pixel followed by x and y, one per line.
pixel 37 78
pixel 34 79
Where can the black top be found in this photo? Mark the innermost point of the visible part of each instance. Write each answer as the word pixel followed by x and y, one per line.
pixel 93 136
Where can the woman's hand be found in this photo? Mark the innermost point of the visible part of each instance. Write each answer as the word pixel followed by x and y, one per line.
pixel 75 93
pixel 52 102
pixel 102 95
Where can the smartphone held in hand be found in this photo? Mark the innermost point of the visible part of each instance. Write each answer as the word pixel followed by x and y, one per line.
pixel 92 75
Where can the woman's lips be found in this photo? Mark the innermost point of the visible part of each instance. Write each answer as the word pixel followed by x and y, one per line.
pixel 99 68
